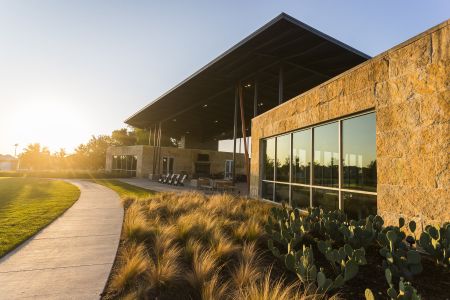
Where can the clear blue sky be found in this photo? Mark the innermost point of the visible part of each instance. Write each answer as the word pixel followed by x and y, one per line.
pixel 70 69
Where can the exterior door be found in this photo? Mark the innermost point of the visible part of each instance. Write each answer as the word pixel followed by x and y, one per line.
pixel 167 165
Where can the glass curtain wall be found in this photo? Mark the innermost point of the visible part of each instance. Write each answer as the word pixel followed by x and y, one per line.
pixel 332 166
pixel 124 164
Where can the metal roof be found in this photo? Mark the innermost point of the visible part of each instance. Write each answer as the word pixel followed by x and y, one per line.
pixel 203 104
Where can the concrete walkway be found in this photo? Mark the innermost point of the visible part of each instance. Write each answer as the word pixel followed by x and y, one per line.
pixel 72 257
pixel 160 187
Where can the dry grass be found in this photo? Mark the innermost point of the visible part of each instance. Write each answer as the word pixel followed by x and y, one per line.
pixel 133 263
pixel 135 223
pixel 204 264
pixel 189 246
pixel 268 289
pixel 249 268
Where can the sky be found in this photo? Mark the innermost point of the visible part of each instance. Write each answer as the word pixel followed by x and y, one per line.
pixel 73 69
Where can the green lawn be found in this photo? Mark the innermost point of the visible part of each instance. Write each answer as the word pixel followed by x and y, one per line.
pixel 29 204
pixel 125 189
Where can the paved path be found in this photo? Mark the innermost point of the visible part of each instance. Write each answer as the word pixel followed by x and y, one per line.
pixel 72 257
pixel 160 187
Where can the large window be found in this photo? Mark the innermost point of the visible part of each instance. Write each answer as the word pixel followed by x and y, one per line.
pixel 124 164
pixel 332 166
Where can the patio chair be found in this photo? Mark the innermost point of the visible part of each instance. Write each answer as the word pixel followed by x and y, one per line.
pixel 172 180
pixel 162 178
pixel 180 181
pixel 167 178
pixel 207 184
pixel 225 186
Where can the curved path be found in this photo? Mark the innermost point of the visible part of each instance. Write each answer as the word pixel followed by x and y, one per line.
pixel 72 257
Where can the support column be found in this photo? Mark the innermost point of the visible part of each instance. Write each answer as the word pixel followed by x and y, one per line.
pixel 159 149
pixel 236 100
pixel 154 152
pixel 149 136
pixel 244 137
pixel 280 84
pixel 255 99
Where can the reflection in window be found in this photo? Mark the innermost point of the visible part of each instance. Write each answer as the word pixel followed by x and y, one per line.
pixel 282 193
pixel 359 153
pixel 268 158
pixel 301 156
pixel 358 206
pixel 326 155
pixel 300 197
pixel 267 190
pixel 326 199
pixel 283 157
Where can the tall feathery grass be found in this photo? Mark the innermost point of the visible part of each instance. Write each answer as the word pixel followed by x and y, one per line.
pixel 192 246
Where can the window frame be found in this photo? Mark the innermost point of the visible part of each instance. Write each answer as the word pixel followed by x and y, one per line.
pixel 311 186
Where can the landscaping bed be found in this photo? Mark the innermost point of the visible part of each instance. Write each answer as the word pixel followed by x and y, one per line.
pixel 192 246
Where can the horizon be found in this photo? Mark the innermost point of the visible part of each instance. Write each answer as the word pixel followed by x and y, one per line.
pixel 70 72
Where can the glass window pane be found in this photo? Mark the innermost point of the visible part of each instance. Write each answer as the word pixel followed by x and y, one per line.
pixel 267 190
pixel 326 155
pixel 301 160
pixel 268 158
pixel 282 193
pixel 359 153
pixel 358 206
pixel 283 157
pixel 300 197
pixel 326 199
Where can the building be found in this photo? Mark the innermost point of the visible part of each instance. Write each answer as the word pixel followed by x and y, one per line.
pixel 8 163
pixel 138 161
pixel 278 61
pixel 329 125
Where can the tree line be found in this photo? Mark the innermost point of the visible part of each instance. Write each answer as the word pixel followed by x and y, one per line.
pixel 88 156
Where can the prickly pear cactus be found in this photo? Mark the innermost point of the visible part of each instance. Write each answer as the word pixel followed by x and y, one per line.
pixel 405 290
pixel 345 262
pixel 399 258
pixel 436 242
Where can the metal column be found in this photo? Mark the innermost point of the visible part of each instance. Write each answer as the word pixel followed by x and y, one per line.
pixel 255 99
pixel 236 100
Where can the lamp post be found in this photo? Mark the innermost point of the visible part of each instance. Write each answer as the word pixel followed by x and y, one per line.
pixel 15 149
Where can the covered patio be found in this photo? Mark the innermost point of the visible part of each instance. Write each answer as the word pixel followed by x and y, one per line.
pixel 279 61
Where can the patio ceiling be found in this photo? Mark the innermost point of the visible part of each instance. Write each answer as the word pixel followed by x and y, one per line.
pixel 203 104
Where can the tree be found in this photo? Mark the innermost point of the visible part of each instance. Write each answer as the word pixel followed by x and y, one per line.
pixel 35 158
pixel 92 154
pixel 123 137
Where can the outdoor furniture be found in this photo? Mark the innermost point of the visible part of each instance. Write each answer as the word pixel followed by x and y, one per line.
pixel 224 186
pixel 179 181
pixel 170 178
pixel 174 178
pixel 167 178
pixel 162 178
pixel 205 184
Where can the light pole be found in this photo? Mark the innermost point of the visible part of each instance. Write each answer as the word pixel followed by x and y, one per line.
pixel 15 149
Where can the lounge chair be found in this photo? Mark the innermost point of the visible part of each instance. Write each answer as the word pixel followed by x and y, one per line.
pixel 172 180
pixel 162 178
pixel 167 178
pixel 179 181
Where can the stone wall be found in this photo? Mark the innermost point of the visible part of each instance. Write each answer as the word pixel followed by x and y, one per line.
pixel 409 89
pixel 184 159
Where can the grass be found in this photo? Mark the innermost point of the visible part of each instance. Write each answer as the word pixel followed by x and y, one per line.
pixel 125 190
pixel 29 204
pixel 198 247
